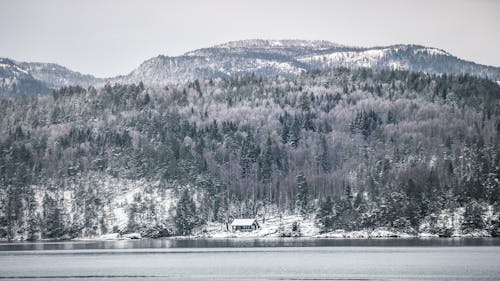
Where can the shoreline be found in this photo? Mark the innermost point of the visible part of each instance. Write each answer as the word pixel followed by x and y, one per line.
pixel 290 226
pixel 325 236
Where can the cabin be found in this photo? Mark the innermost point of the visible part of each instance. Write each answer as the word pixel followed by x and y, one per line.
pixel 244 225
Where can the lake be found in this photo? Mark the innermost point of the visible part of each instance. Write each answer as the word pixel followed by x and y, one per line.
pixel 253 259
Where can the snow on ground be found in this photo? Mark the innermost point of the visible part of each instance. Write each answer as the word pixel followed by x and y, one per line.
pixel 360 59
pixel 476 234
pixel 281 66
pixel 450 221
pixel 427 235
pixel 380 232
pixel 274 226
pixel 367 58
pixel 277 226
pixel 431 51
pixel 299 226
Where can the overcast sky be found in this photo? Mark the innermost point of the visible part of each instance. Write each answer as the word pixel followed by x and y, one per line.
pixel 107 38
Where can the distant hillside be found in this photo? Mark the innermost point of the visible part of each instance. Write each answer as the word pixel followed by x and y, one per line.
pixel 408 57
pixel 33 78
pixel 15 81
pixel 291 57
pixel 55 76
pixel 247 57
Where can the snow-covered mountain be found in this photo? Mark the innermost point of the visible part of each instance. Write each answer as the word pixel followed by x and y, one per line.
pixel 55 76
pixel 14 80
pixel 407 57
pixel 259 57
pixel 259 47
pixel 32 78
pixel 288 57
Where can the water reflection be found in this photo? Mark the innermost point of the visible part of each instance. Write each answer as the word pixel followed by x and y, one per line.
pixel 245 243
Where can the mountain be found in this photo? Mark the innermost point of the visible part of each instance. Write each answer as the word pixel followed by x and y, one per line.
pixel 407 57
pixel 14 80
pixel 259 57
pixel 259 47
pixel 55 76
pixel 291 57
pixel 32 78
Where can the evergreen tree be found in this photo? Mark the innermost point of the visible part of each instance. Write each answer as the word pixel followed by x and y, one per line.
pixel 266 162
pixel 186 217
pixel 323 157
pixel 285 132
pixel 325 214
pixel 302 191
pixel 53 226
pixel 248 155
pixel 295 132
pixel 33 224
pixel 473 217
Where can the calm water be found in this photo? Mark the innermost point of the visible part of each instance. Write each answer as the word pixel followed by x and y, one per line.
pixel 253 259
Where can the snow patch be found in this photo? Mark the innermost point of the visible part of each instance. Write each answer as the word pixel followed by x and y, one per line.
pixel 273 226
pixel 380 232
pixel 431 51
pixel 352 58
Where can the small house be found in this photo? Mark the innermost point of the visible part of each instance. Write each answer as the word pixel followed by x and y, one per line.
pixel 244 225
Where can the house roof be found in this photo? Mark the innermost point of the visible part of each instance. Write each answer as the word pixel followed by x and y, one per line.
pixel 243 221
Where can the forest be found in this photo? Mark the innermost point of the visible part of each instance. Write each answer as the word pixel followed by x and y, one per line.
pixel 352 148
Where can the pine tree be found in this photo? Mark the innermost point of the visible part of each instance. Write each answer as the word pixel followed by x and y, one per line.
pixel 266 162
pixel 473 217
pixel 295 133
pixel 285 133
pixel 348 196
pixel 33 223
pixel 325 214
pixel 323 157
pixel 186 218
pixel 301 194
pixel 248 155
pixel 53 226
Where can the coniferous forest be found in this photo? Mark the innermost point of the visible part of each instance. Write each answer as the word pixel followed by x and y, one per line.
pixel 350 148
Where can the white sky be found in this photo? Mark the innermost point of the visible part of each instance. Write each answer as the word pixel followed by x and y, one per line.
pixel 107 38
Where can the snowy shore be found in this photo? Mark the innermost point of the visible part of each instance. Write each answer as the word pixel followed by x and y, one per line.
pixel 378 233
pixel 293 226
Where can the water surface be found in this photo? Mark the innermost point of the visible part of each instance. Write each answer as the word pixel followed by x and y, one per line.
pixel 253 259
